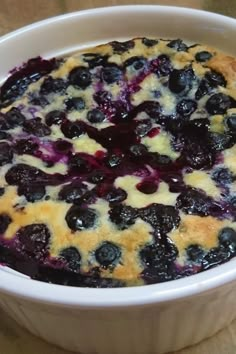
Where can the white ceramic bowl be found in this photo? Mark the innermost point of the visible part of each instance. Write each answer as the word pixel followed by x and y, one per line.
pixel 141 320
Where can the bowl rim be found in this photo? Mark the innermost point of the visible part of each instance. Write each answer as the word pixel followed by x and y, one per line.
pixel 18 285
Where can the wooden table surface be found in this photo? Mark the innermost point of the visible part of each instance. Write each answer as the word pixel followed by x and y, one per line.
pixel 17 13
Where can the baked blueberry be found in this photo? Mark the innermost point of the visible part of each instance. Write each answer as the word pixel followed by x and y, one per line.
pixel 231 122
pixel 192 201
pixel 195 253
pixel 34 240
pixel 75 103
pixel 113 160
pixel 138 150
pixel 186 107
pixel 223 176
pixel 14 117
pixel 51 85
pixel 5 221
pixel 215 256
pixel 25 146
pixel 162 217
pixel 2 191
pixel 178 45
pixel 148 42
pixel 80 77
pixel 203 56
pixel 227 239
pixel 72 258
pixel 215 78
pixel 79 219
pixel 218 103
pixel 78 164
pixel 180 80
pixel 115 195
pixel 123 216
pixel 95 59
pixel 72 192
pixel 35 127
pixel 72 130
pixel 25 174
pixel 121 47
pixel 111 74
pixel 32 192
pixel 136 62
pixel 107 254
pixel 220 142
pixel 6 153
pixel 95 116
pixel 54 117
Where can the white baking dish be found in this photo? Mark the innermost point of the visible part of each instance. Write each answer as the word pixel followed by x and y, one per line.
pixel 148 319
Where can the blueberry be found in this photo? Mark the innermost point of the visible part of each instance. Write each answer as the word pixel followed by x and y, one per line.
pixel 111 74
pixel 136 62
pixel 79 219
pixel 2 191
pixel 76 103
pixel 14 117
pixel 4 125
pixel 220 142
pixel 96 177
pixel 195 253
pixel 163 67
pixel 51 85
pixel 163 218
pixel 78 164
pixel 72 192
pixel 38 100
pixel 6 153
pixel 62 146
pixel 143 128
pixel 149 42
pixel 203 89
pixel 95 59
pixel 29 72
pixel 115 196
pixel 34 240
pixel 107 254
pixel 72 257
pixel 121 47
pixel 5 221
pixel 147 187
pixel 72 130
pixel 113 160
pixel 36 127
pixel 157 161
pixel 25 174
pixel 95 116
pixel 197 156
pixel 32 193
pixel 215 79
pixel 231 122
pixel 159 254
pixel 186 107
pixel 102 97
pixel 222 176
pixel 218 103
pixel 138 150
pixel 25 146
pixel 151 108
pixel 180 80
pixel 191 201
pixel 203 56
pixel 227 239
pixel 80 77
pixel 178 45
pixel 123 216
pixel 214 257
pixel 54 117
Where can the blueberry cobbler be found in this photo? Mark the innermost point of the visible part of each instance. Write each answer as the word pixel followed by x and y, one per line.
pixel 118 164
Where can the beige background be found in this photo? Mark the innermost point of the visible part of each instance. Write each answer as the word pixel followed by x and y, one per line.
pixel 17 13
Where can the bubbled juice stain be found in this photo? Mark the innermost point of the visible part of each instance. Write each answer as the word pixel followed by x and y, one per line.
pixel 155 176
